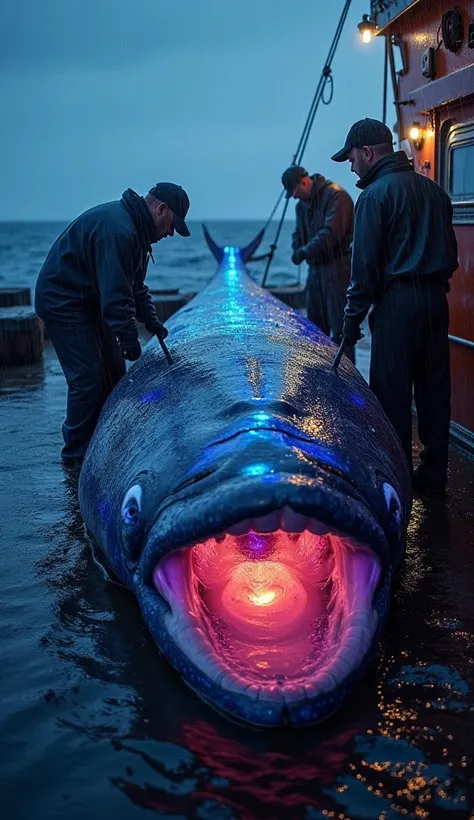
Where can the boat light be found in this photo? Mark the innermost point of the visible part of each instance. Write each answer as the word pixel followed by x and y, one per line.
pixel 417 135
pixel 367 28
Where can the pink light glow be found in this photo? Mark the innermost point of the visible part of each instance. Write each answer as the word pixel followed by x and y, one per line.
pixel 270 608
pixel 262 597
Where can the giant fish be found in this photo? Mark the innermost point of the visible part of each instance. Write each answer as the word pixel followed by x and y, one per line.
pixel 254 500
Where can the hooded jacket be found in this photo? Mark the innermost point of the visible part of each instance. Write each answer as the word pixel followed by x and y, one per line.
pixel 324 224
pixel 97 268
pixel 403 230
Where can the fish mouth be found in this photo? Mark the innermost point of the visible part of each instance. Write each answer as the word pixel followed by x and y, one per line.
pixel 270 618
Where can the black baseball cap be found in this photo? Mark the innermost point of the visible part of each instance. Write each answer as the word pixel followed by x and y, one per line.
pixel 364 132
pixel 177 200
pixel 291 177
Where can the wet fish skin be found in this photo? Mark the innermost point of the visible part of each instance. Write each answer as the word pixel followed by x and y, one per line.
pixel 251 417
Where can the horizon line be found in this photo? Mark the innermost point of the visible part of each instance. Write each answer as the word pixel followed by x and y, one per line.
pixel 23 220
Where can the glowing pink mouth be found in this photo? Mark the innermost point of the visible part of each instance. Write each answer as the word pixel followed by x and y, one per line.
pixel 278 608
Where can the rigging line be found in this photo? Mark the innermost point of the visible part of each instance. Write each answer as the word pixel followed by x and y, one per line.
pixel 298 155
pixel 274 210
pixel 331 92
pixel 385 81
pixel 326 73
pixel 267 255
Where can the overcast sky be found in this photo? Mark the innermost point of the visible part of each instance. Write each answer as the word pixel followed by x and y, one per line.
pixel 100 95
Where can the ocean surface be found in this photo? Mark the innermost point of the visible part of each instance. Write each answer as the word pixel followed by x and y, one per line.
pixel 186 264
pixel 95 724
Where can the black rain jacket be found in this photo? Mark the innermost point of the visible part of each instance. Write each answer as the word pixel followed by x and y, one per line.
pixel 324 226
pixel 97 268
pixel 403 229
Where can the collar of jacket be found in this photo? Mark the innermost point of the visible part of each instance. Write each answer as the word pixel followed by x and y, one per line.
pixel 397 161
pixel 139 211
pixel 319 182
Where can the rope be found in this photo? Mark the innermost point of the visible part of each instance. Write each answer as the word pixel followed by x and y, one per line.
pixel 326 76
pixel 331 91
pixel 267 255
pixel 274 210
pixel 385 78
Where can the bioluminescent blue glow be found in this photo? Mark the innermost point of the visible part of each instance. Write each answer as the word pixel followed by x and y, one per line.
pixel 356 399
pixel 154 395
pixel 261 417
pixel 253 470
pixel 236 312
pixel 271 478
pixel 321 454
pixel 256 542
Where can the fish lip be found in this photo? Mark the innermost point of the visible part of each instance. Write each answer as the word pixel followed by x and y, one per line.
pixel 191 520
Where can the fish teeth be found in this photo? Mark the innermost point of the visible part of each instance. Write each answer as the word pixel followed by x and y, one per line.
pixel 266 523
pixel 317 527
pixel 292 521
pixel 286 519
pixel 271 692
pixel 324 682
pixel 242 528
pixel 293 694
pixel 231 683
pixel 252 691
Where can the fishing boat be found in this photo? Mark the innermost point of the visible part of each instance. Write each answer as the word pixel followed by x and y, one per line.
pixel 429 61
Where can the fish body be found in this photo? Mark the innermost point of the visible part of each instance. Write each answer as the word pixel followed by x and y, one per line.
pixel 254 500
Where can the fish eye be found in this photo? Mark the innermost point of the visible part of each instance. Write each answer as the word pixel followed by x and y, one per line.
pixel 131 505
pixel 392 502
pixel 131 531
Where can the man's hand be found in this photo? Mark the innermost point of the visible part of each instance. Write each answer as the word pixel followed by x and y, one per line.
pixel 351 333
pixel 298 256
pixel 156 327
pixel 131 351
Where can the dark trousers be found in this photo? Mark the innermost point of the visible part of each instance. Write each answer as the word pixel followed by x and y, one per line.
pixel 92 364
pixel 326 300
pixel 410 352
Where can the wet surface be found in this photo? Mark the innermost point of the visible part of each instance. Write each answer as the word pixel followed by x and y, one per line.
pixel 94 722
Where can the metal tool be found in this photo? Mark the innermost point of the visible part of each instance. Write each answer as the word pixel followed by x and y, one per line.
pixel 164 349
pixel 338 356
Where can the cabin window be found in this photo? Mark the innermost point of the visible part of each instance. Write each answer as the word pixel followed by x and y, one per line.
pixel 461 177
pixel 458 176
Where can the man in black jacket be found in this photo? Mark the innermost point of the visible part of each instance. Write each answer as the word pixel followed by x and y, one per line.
pixel 91 291
pixel 403 254
pixel 323 235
